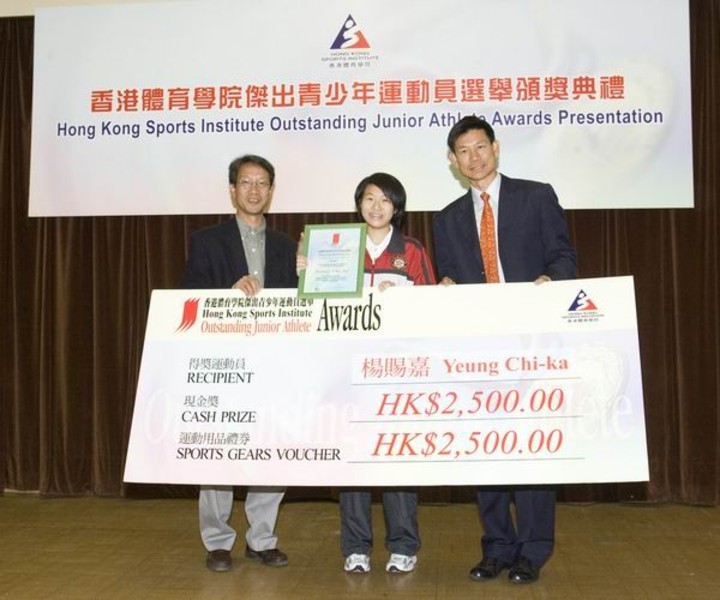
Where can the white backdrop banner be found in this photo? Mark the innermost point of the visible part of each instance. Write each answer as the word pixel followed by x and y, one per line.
pixel 138 109
pixel 470 384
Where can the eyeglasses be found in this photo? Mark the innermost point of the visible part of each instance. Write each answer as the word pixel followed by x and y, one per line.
pixel 261 184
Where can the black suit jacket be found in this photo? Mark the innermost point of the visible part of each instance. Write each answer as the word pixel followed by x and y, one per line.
pixel 216 258
pixel 532 236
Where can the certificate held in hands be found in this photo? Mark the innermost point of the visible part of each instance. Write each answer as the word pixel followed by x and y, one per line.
pixel 335 259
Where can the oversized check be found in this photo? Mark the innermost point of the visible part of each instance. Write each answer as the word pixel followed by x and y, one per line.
pixel 467 384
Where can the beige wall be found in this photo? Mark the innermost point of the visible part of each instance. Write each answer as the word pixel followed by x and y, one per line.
pixel 14 8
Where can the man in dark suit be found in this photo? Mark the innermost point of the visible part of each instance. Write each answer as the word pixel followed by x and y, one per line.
pixel 503 230
pixel 242 253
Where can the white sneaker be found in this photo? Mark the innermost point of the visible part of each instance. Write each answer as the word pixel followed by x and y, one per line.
pixel 400 563
pixel 357 563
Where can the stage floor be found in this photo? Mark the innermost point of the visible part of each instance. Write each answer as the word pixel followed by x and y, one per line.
pixel 96 548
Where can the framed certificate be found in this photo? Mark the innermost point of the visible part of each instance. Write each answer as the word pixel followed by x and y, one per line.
pixel 335 261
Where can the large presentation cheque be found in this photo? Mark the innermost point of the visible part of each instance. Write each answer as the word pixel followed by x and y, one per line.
pixel 467 384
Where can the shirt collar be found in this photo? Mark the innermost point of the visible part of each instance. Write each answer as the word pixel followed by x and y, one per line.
pixel 493 190
pixel 375 250
pixel 246 229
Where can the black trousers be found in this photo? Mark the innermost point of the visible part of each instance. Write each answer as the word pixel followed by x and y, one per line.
pixel 531 534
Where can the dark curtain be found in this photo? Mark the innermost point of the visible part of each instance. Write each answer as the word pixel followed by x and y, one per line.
pixel 75 291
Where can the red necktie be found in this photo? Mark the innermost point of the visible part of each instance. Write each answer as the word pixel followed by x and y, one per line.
pixel 488 246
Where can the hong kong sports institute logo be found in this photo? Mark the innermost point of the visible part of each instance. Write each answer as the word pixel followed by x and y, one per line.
pixel 350 48
pixel 189 315
pixel 582 309
pixel 582 303
pixel 349 37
